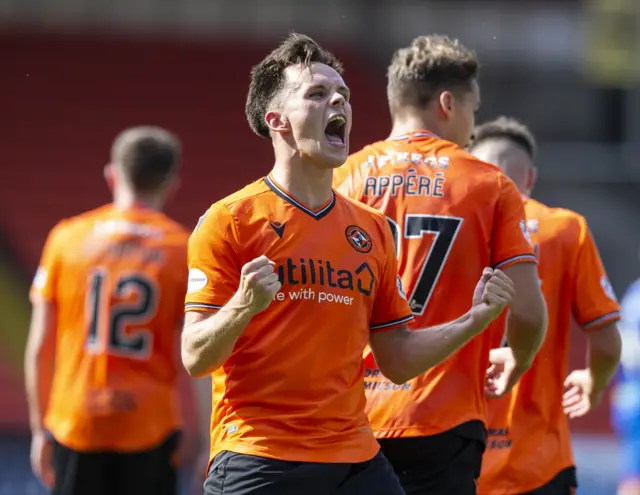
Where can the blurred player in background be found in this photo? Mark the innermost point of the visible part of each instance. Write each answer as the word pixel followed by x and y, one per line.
pixel 529 448
pixel 451 215
pixel 288 283
pixel 102 357
pixel 626 398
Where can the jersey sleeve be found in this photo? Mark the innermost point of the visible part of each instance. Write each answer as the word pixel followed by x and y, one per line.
pixel 511 243
pixel 595 303
pixel 45 280
pixel 390 307
pixel 348 179
pixel 214 271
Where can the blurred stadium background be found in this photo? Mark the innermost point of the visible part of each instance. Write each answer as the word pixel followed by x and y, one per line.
pixel 75 72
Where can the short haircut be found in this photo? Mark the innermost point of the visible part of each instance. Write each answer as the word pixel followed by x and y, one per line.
pixel 268 78
pixel 148 156
pixel 430 65
pixel 506 128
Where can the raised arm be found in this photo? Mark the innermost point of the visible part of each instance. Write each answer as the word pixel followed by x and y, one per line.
pixel 222 297
pixel 208 338
pixel 402 354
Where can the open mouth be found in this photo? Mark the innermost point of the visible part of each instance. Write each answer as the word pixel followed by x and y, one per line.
pixel 335 130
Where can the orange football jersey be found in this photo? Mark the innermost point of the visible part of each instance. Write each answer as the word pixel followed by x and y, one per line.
pixel 117 279
pixel 452 215
pixel 293 387
pixel 529 441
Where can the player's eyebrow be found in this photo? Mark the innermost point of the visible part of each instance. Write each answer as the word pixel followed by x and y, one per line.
pixel 346 92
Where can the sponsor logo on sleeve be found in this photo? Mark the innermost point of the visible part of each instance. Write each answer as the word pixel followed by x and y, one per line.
pixel 525 231
pixel 197 280
pixel 608 288
pixel 40 278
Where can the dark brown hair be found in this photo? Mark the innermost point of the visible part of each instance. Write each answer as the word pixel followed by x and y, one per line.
pixel 148 156
pixel 268 78
pixel 430 64
pixel 506 128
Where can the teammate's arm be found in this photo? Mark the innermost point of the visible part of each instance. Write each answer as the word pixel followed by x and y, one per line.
pixel 402 354
pixel 527 317
pixel 40 360
pixel 512 253
pixel 40 354
pixel 596 309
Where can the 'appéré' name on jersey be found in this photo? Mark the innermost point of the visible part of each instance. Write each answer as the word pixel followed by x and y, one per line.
pixel 323 273
pixel 411 184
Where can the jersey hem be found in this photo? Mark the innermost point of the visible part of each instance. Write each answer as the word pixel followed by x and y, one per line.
pixel 334 457
pixel 423 431
pixel 142 447
pixel 520 488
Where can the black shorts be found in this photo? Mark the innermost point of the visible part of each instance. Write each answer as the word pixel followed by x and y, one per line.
pixel 444 464
pixel 239 474
pixel 149 472
pixel 563 483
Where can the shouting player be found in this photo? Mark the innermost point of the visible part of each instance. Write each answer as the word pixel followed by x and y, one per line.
pixel 529 448
pixel 288 283
pixel 451 215
pixel 102 357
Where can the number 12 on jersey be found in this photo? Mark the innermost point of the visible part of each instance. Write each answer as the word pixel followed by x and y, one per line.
pixel 445 229
pixel 107 311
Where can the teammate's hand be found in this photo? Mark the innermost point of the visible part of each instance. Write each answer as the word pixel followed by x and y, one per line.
pixel 580 397
pixel 503 373
pixel 258 285
pixel 498 378
pixel 492 294
pixel 42 458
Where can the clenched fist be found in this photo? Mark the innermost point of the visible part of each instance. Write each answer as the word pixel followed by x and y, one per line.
pixel 258 285
pixel 492 294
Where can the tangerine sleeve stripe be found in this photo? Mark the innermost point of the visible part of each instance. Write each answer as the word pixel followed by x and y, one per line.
pixel 201 306
pixel 390 324
pixel 601 320
pixel 521 258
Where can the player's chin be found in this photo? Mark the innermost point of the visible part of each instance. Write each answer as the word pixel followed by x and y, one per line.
pixel 333 156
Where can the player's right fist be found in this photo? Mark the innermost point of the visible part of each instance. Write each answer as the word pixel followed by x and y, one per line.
pixel 492 294
pixel 259 284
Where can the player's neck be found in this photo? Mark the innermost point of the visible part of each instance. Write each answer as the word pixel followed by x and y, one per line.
pixel 305 181
pixel 411 123
pixel 125 200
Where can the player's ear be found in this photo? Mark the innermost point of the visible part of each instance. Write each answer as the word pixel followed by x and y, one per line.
pixel 533 176
pixel 174 185
pixel 109 176
pixel 276 122
pixel 446 102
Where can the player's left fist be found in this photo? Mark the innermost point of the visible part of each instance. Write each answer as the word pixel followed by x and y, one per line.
pixel 492 294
